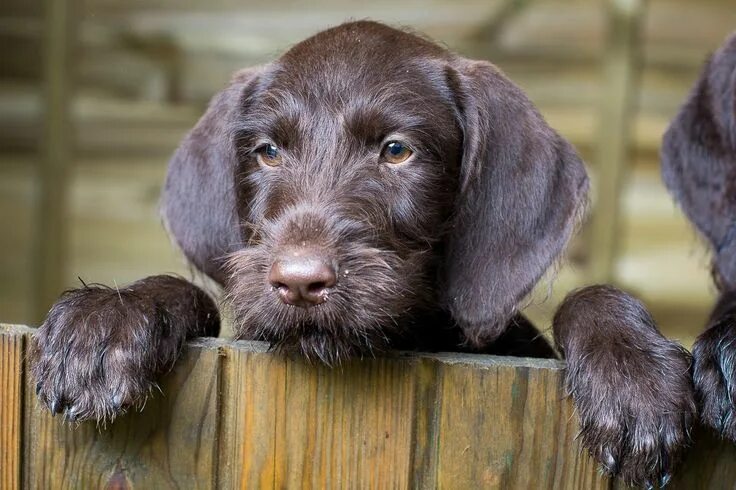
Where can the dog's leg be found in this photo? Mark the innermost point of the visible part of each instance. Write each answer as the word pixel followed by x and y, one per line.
pixel 632 387
pixel 100 350
pixel 714 373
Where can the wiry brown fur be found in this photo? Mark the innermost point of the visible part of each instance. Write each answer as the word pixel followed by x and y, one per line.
pixel 379 290
pixel 699 169
pixel 715 368
pixel 484 208
pixel 635 396
pixel 101 349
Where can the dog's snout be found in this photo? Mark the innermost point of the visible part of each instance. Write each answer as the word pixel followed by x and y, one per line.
pixel 302 278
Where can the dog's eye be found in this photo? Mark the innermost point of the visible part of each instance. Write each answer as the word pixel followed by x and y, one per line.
pixel 268 155
pixel 396 152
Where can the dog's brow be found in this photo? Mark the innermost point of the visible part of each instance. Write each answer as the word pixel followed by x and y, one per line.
pixel 284 130
pixel 368 120
pixel 280 122
pixel 369 123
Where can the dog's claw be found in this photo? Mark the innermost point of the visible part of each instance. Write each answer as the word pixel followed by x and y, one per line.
pixel 609 462
pixel 38 388
pixel 56 406
pixel 664 480
pixel 117 402
pixel 71 414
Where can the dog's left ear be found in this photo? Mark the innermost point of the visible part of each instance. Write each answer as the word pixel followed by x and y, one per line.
pixel 699 159
pixel 522 189
pixel 198 202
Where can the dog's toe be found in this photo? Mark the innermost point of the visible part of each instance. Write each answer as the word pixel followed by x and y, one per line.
pixel 640 450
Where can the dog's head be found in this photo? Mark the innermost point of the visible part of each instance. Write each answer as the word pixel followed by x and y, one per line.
pixel 364 176
pixel 699 159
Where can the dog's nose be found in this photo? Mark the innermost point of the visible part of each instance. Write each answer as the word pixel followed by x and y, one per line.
pixel 302 279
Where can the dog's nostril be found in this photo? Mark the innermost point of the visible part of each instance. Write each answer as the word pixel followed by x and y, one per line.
pixel 317 287
pixel 302 278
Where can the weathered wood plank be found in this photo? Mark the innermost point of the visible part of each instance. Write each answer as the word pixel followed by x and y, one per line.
pixel 234 415
pixel 347 425
pixel 12 353
pixel 425 423
pixel 253 399
pixel 711 464
pixel 297 425
pixel 507 424
pixel 172 443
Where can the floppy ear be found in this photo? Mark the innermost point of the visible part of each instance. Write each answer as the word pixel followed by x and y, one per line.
pixel 522 189
pixel 699 159
pixel 198 201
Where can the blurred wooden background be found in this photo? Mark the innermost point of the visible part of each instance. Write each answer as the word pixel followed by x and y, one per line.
pixel 141 72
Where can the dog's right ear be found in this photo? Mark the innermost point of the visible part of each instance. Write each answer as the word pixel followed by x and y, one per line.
pixel 522 190
pixel 699 159
pixel 198 201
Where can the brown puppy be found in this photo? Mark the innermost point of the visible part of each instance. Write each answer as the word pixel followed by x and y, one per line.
pixel 371 190
pixel 699 168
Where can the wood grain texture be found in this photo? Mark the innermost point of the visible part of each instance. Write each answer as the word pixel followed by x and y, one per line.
pixel 253 399
pixel 710 464
pixel 12 352
pixel 505 423
pixel 234 415
pixel 347 425
pixel 172 443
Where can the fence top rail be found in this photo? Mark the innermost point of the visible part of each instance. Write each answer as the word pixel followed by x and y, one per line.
pixel 478 361
pixel 232 414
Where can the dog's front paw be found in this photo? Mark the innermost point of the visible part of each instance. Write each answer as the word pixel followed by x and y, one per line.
pixel 636 409
pixel 98 353
pixel 714 375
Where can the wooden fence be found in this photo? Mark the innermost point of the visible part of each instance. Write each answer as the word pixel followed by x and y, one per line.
pixel 234 415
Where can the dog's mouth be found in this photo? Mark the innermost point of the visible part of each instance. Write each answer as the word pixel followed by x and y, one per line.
pixel 359 315
pixel 317 344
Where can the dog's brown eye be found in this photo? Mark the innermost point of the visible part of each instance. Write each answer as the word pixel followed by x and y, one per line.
pixel 269 155
pixel 396 152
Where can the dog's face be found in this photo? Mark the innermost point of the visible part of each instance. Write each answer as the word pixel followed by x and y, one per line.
pixel 365 176
pixel 347 170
